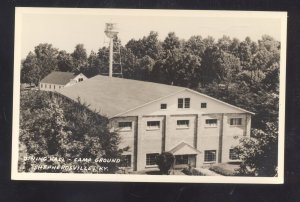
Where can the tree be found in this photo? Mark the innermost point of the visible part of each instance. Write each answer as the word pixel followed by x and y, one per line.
pixel 92 65
pixel 47 59
pixel 218 66
pixel 165 162
pixel 245 54
pixel 147 46
pixel 187 70
pixel 224 43
pixel 51 125
pixel 65 61
pixel 143 68
pixel 234 47
pixel 39 64
pixel 80 58
pixel 171 43
pixel 103 59
pixel 209 41
pixel 195 46
pixel 30 72
pixel 259 153
pixel 151 46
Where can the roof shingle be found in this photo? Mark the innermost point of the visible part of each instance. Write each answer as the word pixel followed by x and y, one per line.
pixel 111 95
pixel 61 78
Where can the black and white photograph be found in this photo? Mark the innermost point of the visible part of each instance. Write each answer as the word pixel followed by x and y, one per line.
pixel 149 95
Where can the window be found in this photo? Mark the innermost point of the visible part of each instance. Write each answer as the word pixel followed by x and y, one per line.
pixel 59 87
pixel 181 159
pixel 211 122
pixel 152 125
pixel 210 155
pixel 236 121
pixel 187 102
pixel 180 102
pixel 183 123
pixel 45 85
pixel 54 87
pixel 80 79
pixel 41 85
pixel 151 159
pixel 203 105
pixel 125 126
pixel 163 106
pixel 184 103
pixel 125 161
pixel 233 155
pixel 50 86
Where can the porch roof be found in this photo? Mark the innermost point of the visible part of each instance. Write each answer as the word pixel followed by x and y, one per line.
pixel 184 149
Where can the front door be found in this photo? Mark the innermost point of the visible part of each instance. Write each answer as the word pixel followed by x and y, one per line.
pixel 185 160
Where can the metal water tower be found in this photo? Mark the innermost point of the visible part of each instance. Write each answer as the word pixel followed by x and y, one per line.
pixel 111 31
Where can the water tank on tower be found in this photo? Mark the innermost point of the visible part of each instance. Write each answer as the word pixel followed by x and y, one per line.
pixel 111 31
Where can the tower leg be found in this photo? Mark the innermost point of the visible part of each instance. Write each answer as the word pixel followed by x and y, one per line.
pixel 110 71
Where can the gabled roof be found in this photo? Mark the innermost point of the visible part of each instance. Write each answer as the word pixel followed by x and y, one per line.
pixel 61 78
pixel 111 95
pixel 183 149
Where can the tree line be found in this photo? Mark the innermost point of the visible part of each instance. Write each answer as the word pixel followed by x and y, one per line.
pixel 243 73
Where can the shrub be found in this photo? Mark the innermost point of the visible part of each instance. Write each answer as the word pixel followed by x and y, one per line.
pixel 226 169
pixel 192 171
pixel 165 162
pixel 51 125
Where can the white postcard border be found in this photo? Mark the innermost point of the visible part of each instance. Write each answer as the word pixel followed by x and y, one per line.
pixel 15 175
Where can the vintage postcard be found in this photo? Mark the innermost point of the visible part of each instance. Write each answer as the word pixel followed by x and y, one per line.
pixel 149 95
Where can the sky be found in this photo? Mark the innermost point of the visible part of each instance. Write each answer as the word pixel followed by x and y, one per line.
pixel 64 30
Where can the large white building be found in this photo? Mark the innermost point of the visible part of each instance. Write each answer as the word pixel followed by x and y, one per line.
pixel 152 118
pixel 57 80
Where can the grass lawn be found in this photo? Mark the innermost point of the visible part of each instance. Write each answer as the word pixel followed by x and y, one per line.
pixel 226 169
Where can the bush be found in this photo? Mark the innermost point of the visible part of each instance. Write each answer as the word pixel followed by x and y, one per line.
pixel 226 169
pixel 52 126
pixel 165 162
pixel 192 171
pixel 260 152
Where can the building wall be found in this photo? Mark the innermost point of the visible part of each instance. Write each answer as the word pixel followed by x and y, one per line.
pixel 220 137
pixel 79 78
pixel 142 141
pixel 175 135
pixel 208 136
pixel 213 106
pixel 55 87
pixel 50 86
pixel 127 136
pixel 149 140
pixel 233 134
